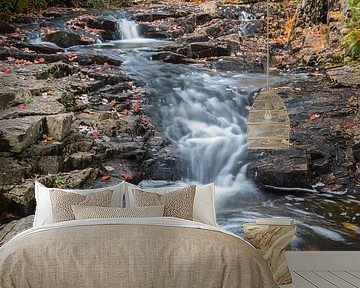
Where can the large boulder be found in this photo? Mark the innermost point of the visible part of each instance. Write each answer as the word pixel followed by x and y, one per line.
pixel 12 171
pixel 108 26
pixel 18 134
pixel 66 39
pixel 15 227
pixel 23 194
pixel 284 172
pixel 345 76
pixel 58 126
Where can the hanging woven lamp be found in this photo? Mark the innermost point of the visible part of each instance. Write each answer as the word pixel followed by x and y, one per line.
pixel 268 123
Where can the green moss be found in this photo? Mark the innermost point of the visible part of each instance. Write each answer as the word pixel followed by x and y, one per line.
pixel 351 39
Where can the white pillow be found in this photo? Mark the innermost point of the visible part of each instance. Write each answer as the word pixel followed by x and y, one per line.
pixel 43 212
pixel 204 202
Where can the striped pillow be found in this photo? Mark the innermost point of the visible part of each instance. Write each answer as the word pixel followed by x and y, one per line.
pixel 93 212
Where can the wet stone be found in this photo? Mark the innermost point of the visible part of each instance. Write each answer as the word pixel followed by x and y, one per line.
pixel 18 134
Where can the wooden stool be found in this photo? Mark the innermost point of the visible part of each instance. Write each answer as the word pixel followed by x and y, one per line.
pixel 271 240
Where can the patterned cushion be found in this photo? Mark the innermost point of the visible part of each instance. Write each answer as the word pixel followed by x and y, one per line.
pixel 61 202
pixel 92 212
pixel 177 203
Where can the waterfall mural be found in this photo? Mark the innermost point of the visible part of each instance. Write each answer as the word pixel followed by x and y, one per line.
pixel 168 106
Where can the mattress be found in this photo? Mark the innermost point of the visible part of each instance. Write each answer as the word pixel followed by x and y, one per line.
pixel 137 252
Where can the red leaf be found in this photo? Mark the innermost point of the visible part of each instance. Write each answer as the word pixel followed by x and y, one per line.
pixel 71 56
pixel 6 70
pixel 349 125
pixel 105 178
pixel 95 134
pixel 137 108
pixel 126 176
pixel 314 117
pixel 39 60
pixel 9 216
pixel 315 74
pixel 125 111
pixel 21 106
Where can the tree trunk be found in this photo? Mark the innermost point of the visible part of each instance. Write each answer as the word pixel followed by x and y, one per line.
pixel 311 12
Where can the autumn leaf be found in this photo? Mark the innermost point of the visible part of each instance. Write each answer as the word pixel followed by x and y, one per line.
pixel 71 56
pixel 349 125
pixel 125 111
pixel 126 176
pixel 315 74
pixel 351 99
pixel 21 106
pixel 9 216
pixel 105 178
pixel 6 70
pixel 39 60
pixel 95 134
pixel 137 108
pixel 313 117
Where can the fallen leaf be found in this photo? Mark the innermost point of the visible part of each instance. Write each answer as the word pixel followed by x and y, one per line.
pixel 314 117
pixel 105 178
pixel 352 227
pixel 349 125
pixel 9 216
pixel 21 106
pixel 95 134
pixel 125 111
pixel 126 176
pixel 351 99
pixel 6 70
pixel 39 60
pixel 137 108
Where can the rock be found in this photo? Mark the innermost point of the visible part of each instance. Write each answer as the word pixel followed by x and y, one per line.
pixel 66 39
pixel 345 76
pixel 6 28
pixel 18 134
pixel 92 57
pixel 170 57
pixel 15 227
pixel 7 97
pixel 79 160
pixel 152 16
pixel 74 179
pixel 194 38
pixel 39 48
pixel 284 172
pixel 239 64
pixel 58 126
pixel 22 194
pixel 49 165
pixel 208 49
pixel 57 70
pixel 321 166
pixel 12 171
pixel 109 27
pixel 37 106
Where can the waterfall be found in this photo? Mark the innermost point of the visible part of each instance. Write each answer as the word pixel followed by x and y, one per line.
pixel 128 29
pixel 248 23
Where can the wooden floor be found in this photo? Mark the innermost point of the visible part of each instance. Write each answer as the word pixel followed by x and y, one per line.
pixel 324 269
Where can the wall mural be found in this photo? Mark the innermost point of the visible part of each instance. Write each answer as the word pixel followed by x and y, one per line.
pixel 159 95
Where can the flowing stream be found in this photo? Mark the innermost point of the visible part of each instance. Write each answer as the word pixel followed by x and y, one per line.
pixel 204 114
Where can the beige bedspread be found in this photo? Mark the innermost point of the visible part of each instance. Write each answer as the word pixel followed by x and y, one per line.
pixel 119 253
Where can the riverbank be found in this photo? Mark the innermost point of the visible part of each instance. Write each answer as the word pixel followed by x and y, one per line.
pixel 79 117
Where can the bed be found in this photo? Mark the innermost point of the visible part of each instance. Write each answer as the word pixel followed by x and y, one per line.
pixel 131 251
